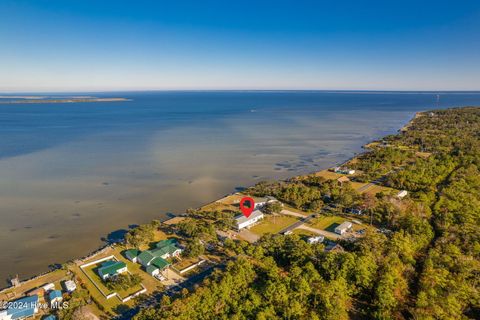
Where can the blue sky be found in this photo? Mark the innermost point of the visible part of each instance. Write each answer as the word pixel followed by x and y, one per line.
pixel 136 45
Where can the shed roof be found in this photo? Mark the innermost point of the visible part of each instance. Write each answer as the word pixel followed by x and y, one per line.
pixel 54 294
pixel 132 253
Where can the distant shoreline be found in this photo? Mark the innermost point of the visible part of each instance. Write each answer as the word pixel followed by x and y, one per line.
pixel 24 100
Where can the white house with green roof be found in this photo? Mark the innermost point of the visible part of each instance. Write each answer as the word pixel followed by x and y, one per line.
pixel 132 254
pixel 163 249
pixel 111 268
pixel 156 266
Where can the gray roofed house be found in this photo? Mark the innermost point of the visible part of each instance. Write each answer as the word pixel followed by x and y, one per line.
pixel 344 227
pixel 244 222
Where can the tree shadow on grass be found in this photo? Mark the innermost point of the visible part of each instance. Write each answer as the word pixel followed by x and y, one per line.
pixel 332 227
pixel 121 308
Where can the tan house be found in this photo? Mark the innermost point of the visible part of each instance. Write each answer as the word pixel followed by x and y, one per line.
pixel 343 179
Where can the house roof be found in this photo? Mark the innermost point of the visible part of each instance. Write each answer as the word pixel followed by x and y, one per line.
pixel 22 308
pixel 54 294
pixel 111 267
pixel 69 285
pixel 344 225
pixel 160 263
pixel 150 269
pixel 164 243
pixel 163 247
pixel 145 256
pixel 241 218
pixel 343 179
pixel 168 249
pixel 132 253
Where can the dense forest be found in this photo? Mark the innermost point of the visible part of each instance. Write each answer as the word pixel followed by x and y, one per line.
pixel 427 267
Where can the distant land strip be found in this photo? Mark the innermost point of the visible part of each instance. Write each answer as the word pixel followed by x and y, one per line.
pixel 66 100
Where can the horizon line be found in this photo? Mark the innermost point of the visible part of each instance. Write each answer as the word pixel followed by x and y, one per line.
pixel 237 90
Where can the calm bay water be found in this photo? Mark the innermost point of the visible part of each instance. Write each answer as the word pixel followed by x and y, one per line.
pixel 72 173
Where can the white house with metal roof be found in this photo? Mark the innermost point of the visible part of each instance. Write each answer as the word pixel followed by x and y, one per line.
pixel 402 194
pixel 317 239
pixel 344 227
pixel 244 222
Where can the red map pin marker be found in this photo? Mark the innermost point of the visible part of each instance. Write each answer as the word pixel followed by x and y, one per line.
pixel 247 210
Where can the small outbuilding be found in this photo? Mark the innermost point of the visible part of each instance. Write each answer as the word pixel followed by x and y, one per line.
pixel 356 211
pixel 49 286
pixel 55 297
pixel 317 239
pixel 343 228
pixel 402 194
pixel 69 286
pixel 343 179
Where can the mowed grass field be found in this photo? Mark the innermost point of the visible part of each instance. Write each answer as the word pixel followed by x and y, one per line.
pixel 108 304
pixel 327 223
pixel 304 233
pixel 329 175
pixel 273 224
pixel 185 263
pixel 373 189
pixel 111 304
pixel 91 271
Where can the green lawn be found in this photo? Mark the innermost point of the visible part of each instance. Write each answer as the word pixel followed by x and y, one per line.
pixel 304 233
pixel 328 223
pixel 292 209
pixel 272 224
pixel 91 271
pixel 185 263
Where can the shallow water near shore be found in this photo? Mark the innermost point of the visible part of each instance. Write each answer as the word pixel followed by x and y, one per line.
pixel 71 174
